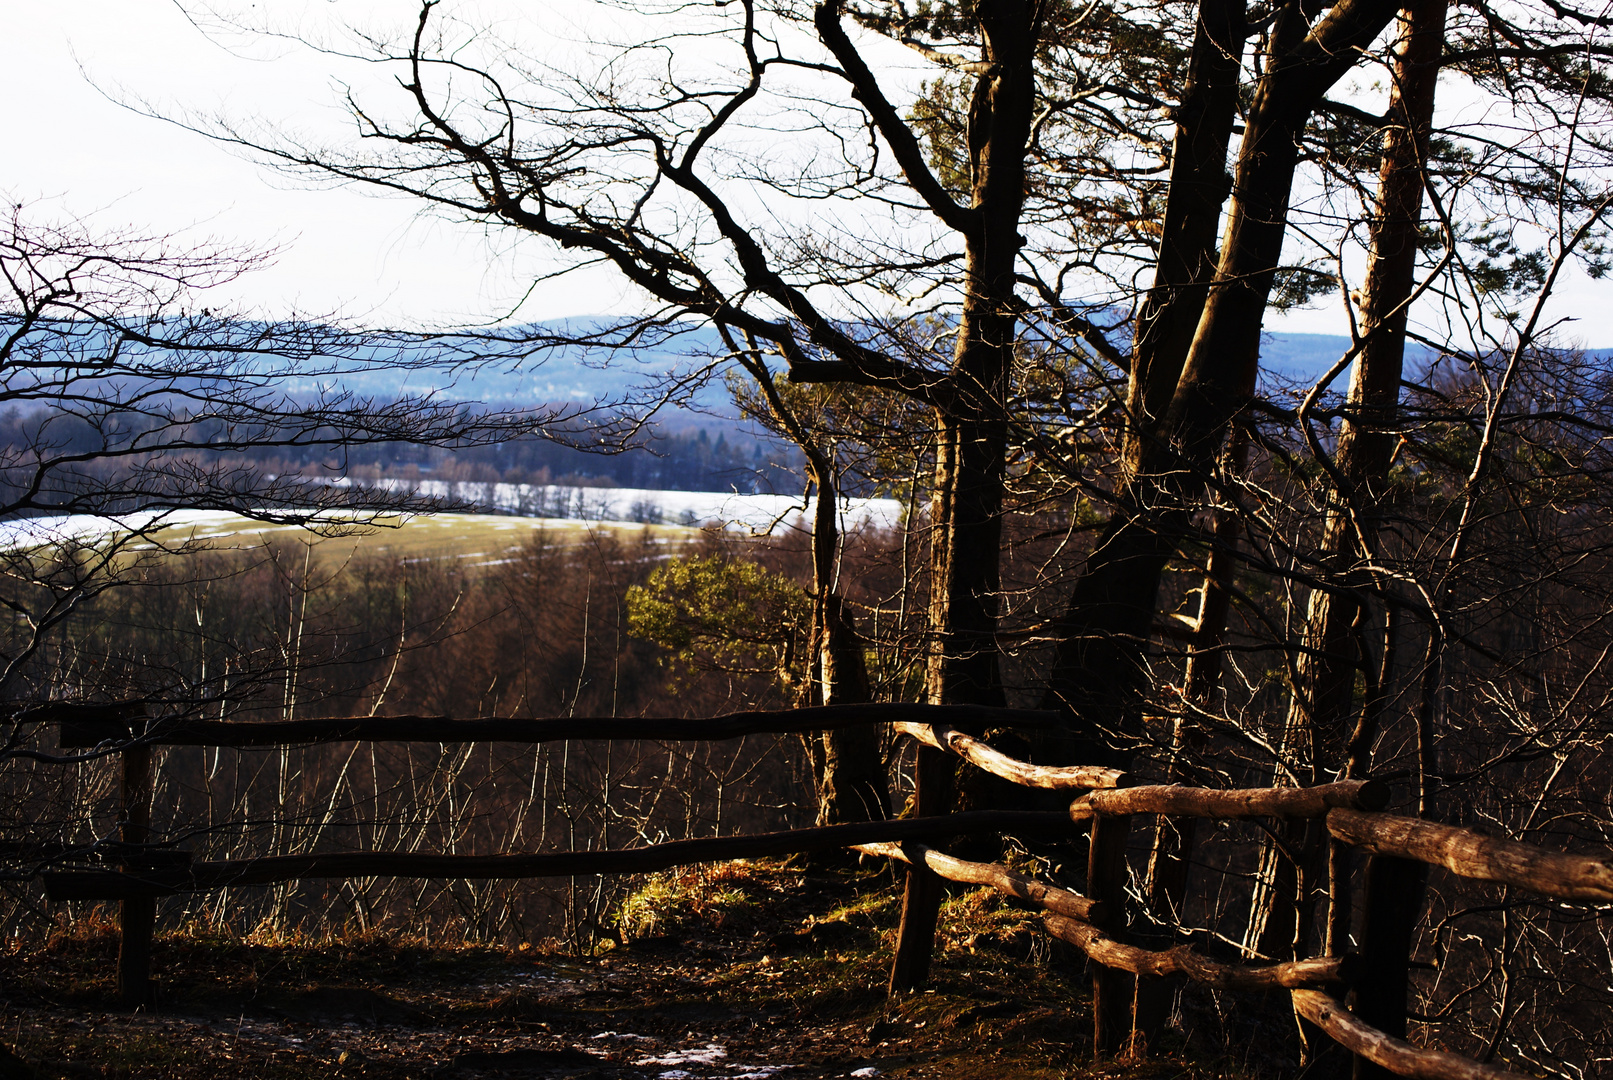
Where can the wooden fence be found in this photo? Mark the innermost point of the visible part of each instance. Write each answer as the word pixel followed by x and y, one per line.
pixel 1352 813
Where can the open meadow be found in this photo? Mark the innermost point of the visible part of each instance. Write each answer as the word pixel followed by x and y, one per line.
pixel 476 540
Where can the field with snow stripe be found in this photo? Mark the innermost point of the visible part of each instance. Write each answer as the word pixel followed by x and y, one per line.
pixel 480 539
pixel 755 513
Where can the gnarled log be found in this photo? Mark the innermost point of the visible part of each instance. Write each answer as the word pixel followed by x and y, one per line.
pixel 996 875
pixel 972 750
pixel 1183 961
pixel 1181 801
pixel 1465 852
pixel 1396 1055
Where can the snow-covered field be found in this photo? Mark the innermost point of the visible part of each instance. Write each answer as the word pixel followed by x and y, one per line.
pixel 529 506
pixel 754 513
pixel 41 531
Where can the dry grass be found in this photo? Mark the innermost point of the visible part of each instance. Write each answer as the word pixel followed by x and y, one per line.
pixel 477 539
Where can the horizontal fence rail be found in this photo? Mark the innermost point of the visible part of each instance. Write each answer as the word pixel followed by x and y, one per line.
pixel 1352 811
pixel 1396 1055
pixel 1229 803
pixel 272 869
pixel 80 732
pixel 1473 855
pixel 999 877
pixel 942 736
pixel 1181 960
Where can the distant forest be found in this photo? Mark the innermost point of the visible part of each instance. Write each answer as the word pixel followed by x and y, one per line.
pixel 689 453
pixel 715 456
pixel 719 456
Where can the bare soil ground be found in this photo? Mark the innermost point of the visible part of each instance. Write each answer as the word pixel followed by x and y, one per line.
pixel 747 972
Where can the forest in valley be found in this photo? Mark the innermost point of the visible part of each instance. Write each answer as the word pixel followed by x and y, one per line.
pixel 1321 657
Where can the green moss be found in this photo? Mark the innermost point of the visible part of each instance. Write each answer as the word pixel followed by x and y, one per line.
pixel 982 919
pixel 726 897
pixel 870 909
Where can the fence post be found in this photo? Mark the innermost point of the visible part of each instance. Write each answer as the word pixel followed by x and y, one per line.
pixel 921 894
pixel 137 914
pixel 1391 903
pixel 1112 990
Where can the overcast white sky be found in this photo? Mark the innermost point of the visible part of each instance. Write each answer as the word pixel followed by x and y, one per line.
pixel 370 258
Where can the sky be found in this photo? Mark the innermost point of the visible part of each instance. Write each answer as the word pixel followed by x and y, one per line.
pixel 75 149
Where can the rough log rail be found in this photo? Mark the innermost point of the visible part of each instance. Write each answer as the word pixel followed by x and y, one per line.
pixel 996 875
pixel 943 736
pixel 1069 917
pixel 269 870
pixel 1472 855
pixel 81 731
pixel 1179 801
pixel 1351 809
pixel 1181 960
pixel 1396 1055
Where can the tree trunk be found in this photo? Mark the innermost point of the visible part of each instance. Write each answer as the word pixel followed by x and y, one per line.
pixel 971 437
pixel 137 914
pixel 854 787
pixel 1109 619
pixel 1199 186
pixel 846 762
pixel 1323 698
pixel 1319 728
pixel 1170 857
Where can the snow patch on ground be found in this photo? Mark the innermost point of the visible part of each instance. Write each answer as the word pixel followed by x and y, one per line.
pixel 205 524
pixel 709 1054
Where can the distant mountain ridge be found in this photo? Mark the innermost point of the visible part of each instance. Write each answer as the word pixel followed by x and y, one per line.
pixel 1301 359
pixel 554 362
pixel 588 374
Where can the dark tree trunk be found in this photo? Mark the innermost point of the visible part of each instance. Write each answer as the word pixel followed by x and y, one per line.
pixel 1199 186
pixel 971 435
pixel 1110 615
pixel 854 787
pixel 1325 691
pixel 1322 715
pixel 846 763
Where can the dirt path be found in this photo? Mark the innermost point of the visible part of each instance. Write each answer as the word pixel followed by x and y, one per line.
pixel 767 976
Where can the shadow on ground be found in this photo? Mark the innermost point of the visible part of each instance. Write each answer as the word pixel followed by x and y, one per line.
pixel 741 972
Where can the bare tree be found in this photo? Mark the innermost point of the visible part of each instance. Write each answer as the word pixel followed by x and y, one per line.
pixel 966 243
pixel 131 404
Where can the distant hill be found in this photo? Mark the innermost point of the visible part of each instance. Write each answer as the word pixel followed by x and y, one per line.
pixel 553 363
pixel 1294 360
pixel 515 367
pixel 509 374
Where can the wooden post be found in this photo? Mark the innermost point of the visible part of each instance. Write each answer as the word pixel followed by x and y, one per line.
pixel 1391 903
pixel 1112 990
pixel 138 914
pixel 1339 897
pixel 922 892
